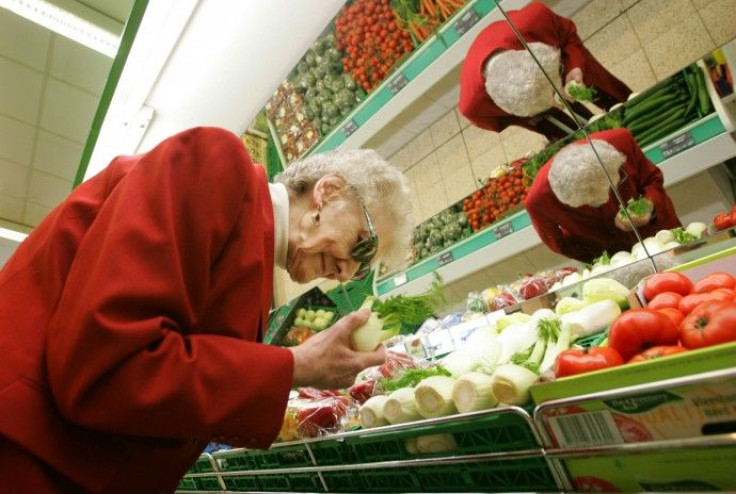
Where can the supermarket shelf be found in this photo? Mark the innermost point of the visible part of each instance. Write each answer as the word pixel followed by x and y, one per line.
pixel 687 152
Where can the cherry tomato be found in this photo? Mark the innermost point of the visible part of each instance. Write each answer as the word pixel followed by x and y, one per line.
pixel 638 329
pixel 664 299
pixel 657 352
pixel 723 221
pixel 675 314
pixel 714 281
pixel 576 361
pixel 689 302
pixel 667 282
pixel 709 324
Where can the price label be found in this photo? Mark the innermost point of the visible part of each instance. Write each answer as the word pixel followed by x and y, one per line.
pixel 445 258
pixel 400 280
pixel 349 128
pixel 677 145
pixel 468 20
pixel 503 230
pixel 398 83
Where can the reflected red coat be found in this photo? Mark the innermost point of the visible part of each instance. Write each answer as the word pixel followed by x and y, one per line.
pixel 536 22
pixel 130 321
pixel 584 233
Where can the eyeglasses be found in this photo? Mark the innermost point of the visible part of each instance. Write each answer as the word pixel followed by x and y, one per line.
pixel 365 249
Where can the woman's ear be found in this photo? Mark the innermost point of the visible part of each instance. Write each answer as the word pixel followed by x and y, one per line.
pixel 327 188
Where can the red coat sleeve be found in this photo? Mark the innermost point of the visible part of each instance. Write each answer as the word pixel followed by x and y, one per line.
pixel 574 54
pixel 125 350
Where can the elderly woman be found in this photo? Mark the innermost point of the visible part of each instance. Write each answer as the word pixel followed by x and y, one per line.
pixel 571 205
pixel 501 84
pixel 133 314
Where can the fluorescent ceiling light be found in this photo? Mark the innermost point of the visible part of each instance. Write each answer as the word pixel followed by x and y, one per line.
pixel 12 235
pixel 66 24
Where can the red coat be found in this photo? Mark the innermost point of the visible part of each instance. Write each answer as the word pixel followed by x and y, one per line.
pixel 584 233
pixel 131 318
pixel 536 22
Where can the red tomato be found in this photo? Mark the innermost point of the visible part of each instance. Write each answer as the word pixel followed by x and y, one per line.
pixel 576 361
pixel 532 287
pixel 723 221
pixel 724 293
pixel 667 282
pixel 675 314
pixel 709 324
pixel 688 303
pixel 713 282
pixel 657 352
pixel 638 329
pixel 664 299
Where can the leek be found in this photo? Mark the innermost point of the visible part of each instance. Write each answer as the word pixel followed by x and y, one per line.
pixel 400 407
pixel 436 443
pixel 511 383
pixel 473 392
pixel 433 397
pixel 592 318
pixel 371 412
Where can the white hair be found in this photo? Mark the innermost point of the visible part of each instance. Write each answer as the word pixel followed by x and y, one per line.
pixel 517 85
pixel 578 178
pixel 381 186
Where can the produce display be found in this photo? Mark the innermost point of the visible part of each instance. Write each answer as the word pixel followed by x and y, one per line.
pixel 725 220
pixel 422 18
pixel 287 112
pixel 439 232
pixel 504 189
pixel 367 31
pixel 329 93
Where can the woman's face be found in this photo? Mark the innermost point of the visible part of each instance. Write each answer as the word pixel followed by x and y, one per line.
pixel 321 249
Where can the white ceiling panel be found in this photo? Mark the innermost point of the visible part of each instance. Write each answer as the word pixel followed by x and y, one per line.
pixel 16 141
pixel 35 213
pixel 12 208
pixel 57 156
pixel 68 111
pixel 32 49
pixel 7 247
pixel 13 179
pixel 47 190
pixel 20 91
pixel 79 65
pixel 117 10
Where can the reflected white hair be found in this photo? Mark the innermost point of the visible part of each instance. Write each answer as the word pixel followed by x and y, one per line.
pixel 516 84
pixel 577 177
pixel 382 187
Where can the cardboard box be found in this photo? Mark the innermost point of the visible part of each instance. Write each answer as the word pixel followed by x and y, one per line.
pixel 696 470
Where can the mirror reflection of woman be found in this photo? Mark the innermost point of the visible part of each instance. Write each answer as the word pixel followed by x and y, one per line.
pixel 502 85
pixel 573 209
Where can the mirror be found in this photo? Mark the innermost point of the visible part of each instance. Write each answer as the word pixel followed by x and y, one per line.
pixel 630 38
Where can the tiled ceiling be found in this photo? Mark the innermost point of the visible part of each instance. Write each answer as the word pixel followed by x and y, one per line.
pixel 49 90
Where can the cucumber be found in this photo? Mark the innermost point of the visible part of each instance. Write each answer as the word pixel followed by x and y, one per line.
pixel 652 105
pixel 691 79
pixel 663 130
pixel 704 103
pixel 643 125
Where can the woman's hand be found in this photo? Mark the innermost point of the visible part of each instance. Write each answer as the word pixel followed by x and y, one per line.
pixel 327 360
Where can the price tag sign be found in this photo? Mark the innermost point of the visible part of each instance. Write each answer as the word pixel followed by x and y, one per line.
pixel 468 20
pixel 400 280
pixel 398 83
pixel 349 128
pixel 445 258
pixel 503 230
pixel 677 145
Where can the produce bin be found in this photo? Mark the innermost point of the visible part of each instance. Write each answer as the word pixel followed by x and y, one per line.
pixel 348 297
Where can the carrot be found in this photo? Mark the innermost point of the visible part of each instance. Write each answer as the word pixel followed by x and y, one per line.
pixel 428 6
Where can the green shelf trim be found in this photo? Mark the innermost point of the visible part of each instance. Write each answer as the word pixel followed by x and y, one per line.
pixel 480 239
pixel 704 129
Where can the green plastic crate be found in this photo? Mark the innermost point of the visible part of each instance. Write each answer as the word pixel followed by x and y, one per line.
pixel 390 480
pixel 528 474
pixel 187 484
pixel 349 481
pixel 208 484
pixel 274 483
pixel 244 483
pixel 305 482
pixel 348 297
pixel 333 453
pixel 237 459
pixel 203 464
pixel 490 433
pixel 292 455
pixel 444 478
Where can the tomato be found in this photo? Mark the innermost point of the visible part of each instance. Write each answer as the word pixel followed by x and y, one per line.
pixel 667 282
pixel 709 324
pixel 656 352
pixel 713 282
pixel 723 221
pixel 689 302
pixel 664 299
pixel 638 329
pixel 577 361
pixel 675 314
pixel 532 287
